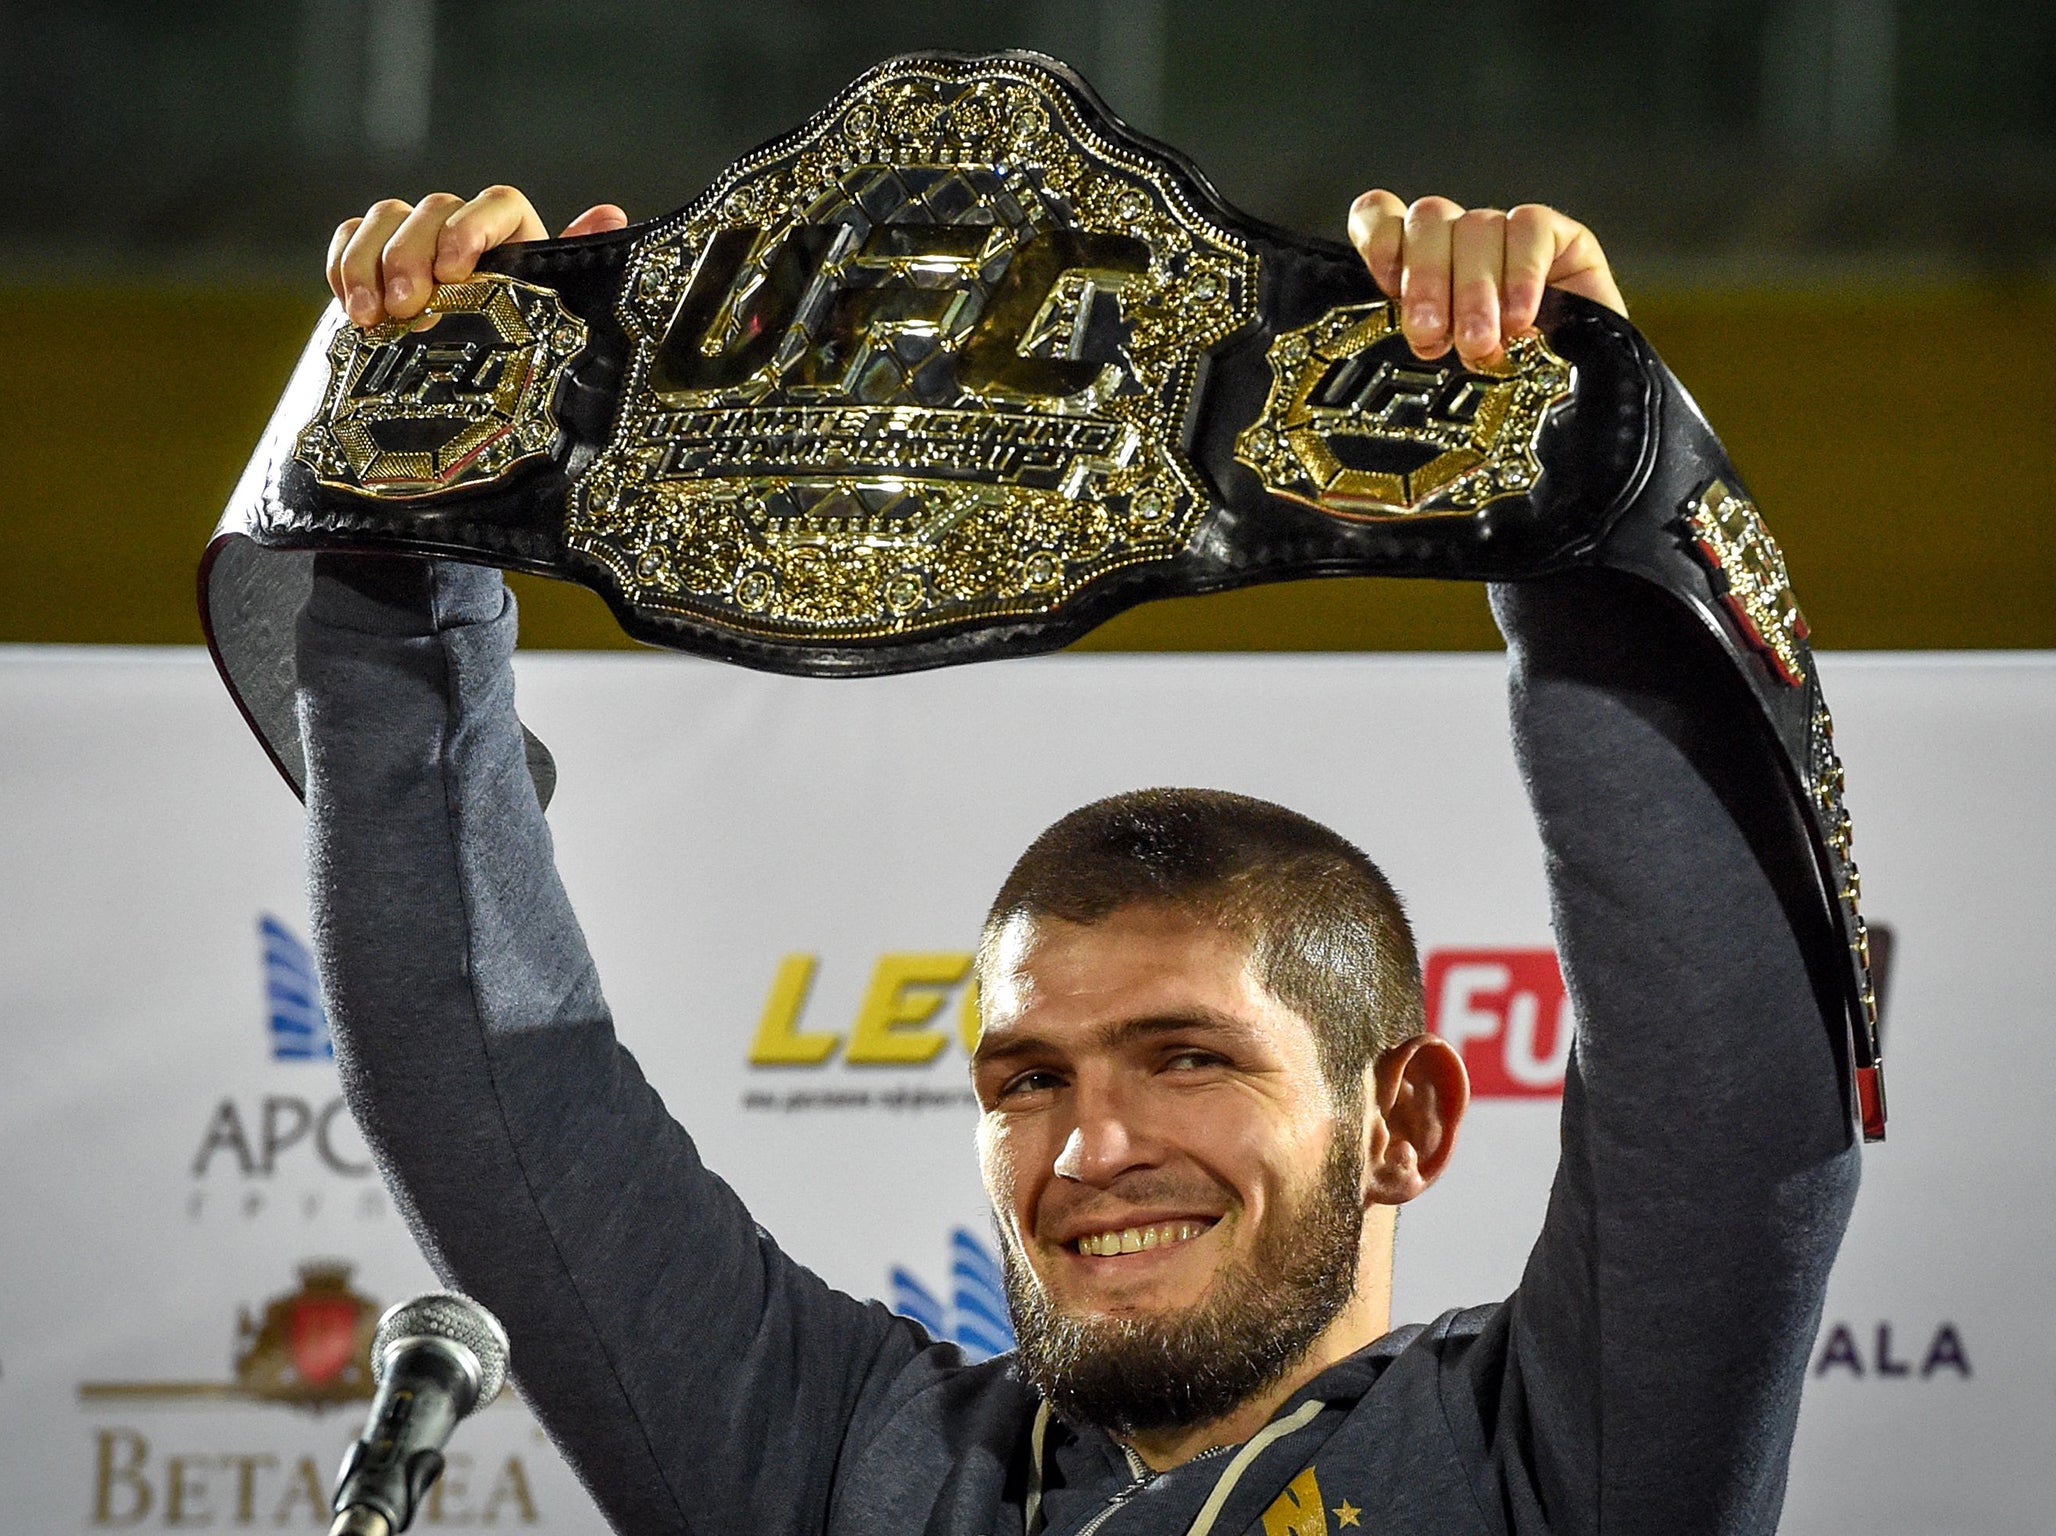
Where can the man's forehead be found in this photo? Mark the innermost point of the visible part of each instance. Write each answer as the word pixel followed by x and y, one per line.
pixel 1136 936
pixel 1136 962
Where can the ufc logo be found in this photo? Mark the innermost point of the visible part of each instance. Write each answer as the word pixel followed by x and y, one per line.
pixel 904 279
pixel 1377 388
pixel 1506 1013
pixel 414 366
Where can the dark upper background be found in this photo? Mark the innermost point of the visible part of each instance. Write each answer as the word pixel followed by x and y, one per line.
pixel 1836 218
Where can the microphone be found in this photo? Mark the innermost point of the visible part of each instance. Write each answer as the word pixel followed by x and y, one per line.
pixel 436 1359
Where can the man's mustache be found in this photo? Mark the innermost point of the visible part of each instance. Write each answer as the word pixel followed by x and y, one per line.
pixel 1065 1206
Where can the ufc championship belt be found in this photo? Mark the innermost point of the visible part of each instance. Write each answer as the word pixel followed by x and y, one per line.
pixel 956 371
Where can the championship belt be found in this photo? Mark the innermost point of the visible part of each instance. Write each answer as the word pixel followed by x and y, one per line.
pixel 956 371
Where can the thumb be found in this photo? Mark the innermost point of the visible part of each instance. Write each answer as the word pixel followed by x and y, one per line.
pixel 1580 267
pixel 597 220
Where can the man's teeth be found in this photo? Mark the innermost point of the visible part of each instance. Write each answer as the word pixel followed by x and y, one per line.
pixel 1134 1239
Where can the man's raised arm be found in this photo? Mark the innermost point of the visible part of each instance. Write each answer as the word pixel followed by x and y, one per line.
pixel 1660 1334
pixel 695 1375
pixel 1648 1375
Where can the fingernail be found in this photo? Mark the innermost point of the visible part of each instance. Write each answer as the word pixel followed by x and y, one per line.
pixel 1423 317
pixel 360 304
pixel 399 289
pixel 1476 336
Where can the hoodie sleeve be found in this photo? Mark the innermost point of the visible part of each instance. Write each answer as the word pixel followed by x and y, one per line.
pixel 1656 1346
pixel 697 1378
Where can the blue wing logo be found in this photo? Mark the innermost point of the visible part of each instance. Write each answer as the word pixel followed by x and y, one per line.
pixel 292 995
pixel 975 1315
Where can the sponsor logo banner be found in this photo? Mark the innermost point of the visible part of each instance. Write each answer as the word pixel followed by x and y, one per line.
pixel 1505 1012
pixel 158 1465
pixel 780 880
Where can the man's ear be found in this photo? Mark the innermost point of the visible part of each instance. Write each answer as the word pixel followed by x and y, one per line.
pixel 1418 1093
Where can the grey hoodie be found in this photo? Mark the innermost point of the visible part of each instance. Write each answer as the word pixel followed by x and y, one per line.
pixel 1643 1377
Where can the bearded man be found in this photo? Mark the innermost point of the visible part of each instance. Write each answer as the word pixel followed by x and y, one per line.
pixel 1204 1082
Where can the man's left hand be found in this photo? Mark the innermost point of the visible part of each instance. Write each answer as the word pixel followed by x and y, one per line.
pixel 1473 277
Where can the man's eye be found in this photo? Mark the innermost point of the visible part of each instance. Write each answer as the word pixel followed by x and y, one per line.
pixel 1192 1060
pixel 1029 1082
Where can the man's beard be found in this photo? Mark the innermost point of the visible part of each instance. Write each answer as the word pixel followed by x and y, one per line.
pixel 1257 1319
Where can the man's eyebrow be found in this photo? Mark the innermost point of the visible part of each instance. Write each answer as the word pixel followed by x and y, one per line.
pixel 1006 1050
pixel 1119 1032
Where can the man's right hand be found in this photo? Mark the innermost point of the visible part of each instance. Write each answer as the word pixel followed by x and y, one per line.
pixel 385 265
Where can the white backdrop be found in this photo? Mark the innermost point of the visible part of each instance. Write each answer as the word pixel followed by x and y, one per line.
pixel 172 1163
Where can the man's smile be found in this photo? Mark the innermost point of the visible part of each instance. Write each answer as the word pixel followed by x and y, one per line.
pixel 1112 1242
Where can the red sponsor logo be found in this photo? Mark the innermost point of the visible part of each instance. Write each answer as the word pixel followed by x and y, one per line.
pixel 1505 1012
pixel 322 1336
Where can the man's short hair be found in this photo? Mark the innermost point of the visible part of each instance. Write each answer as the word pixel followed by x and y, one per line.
pixel 1327 935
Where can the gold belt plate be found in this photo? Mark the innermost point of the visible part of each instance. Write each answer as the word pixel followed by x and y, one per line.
pixel 926 360
pixel 1729 536
pixel 1357 426
pixel 455 397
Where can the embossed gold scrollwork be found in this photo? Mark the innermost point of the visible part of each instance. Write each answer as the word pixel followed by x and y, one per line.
pixel 455 397
pixel 1356 425
pixel 1827 783
pixel 1731 539
pixel 926 360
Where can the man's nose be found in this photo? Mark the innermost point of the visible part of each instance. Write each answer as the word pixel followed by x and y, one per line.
pixel 1109 1138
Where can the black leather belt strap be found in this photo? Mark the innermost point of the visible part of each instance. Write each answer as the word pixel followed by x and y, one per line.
pixel 959 369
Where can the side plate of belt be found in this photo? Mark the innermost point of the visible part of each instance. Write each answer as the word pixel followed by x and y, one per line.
pixel 959 369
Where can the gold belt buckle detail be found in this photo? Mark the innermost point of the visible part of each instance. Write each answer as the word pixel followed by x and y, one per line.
pixel 1357 426
pixel 455 397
